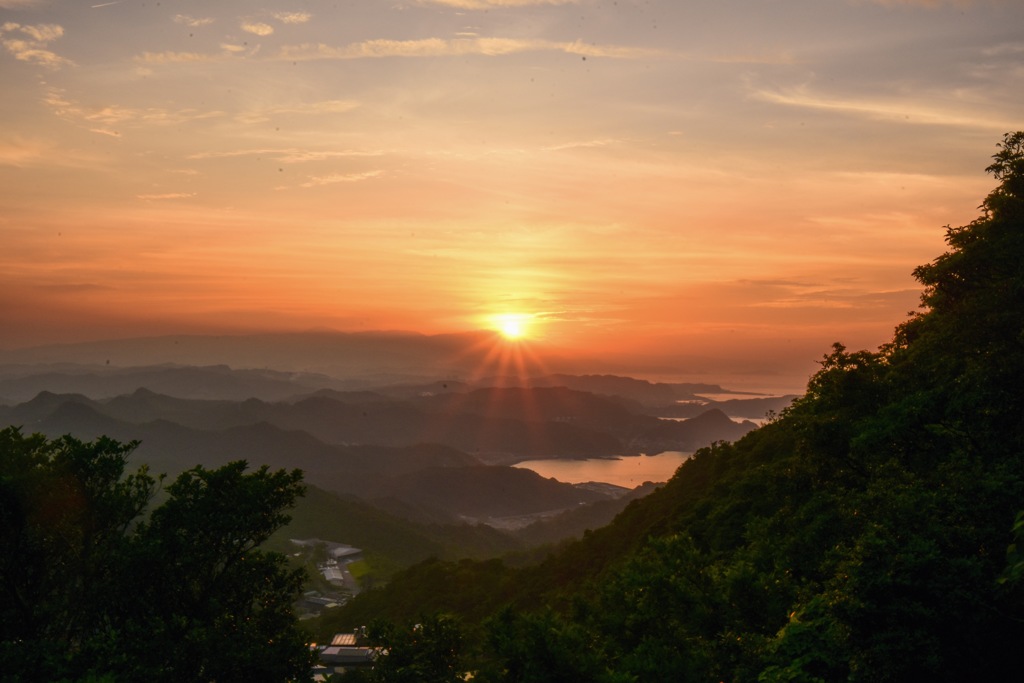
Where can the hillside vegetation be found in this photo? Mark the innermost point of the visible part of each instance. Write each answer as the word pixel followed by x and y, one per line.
pixel 862 535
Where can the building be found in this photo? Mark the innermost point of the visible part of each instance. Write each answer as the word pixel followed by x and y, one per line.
pixel 345 652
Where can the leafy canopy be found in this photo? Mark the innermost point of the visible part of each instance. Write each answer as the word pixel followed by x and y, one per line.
pixel 90 587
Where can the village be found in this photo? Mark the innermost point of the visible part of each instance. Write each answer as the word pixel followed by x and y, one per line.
pixel 334 563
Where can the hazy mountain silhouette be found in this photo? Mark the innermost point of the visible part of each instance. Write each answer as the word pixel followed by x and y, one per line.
pixel 484 491
pixel 413 456
pixel 20 383
pixel 367 356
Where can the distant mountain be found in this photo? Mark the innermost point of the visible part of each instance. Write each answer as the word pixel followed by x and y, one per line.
pixel 214 382
pixel 495 425
pixel 541 404
pixel 636 433
pixel 575 522
pixel 482 492
pixel 364 470
pixel 639 390
pixel 754 407
pixel 419 454
pixel 689 435
pixel 20 383
pixel 378 357
pixel 634 391
pixel 172 448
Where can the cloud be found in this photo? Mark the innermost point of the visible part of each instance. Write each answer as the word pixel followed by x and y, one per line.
pixel 468 43
pixel 33 46
pixel 175 57
pixel 113 114
pixel 317 181
pixel 193 22
pixel 931 4
pixel 312 109
pixel 43 33
pixel 1003 49
pixel 896 110
pixel 257 28
pixel 19 4
pixel 288 155
pixel 440 47
pixel 777 283
pixel 73 287
pixel 228 51
pixel 20 151
pixel 292 17
pixel 165 196
pixel 600 142
pixel 488 4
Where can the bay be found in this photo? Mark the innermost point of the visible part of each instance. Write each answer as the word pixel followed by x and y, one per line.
pixel 627 471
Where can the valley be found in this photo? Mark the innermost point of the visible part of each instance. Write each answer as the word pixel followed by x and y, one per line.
pixel 406 471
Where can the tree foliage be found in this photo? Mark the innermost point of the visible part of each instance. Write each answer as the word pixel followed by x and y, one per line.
pixel 428 651
pixel 90 586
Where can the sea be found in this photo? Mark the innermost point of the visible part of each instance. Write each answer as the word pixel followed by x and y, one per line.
pixel 626 471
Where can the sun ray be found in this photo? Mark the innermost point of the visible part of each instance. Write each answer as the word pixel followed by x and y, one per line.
pixel 502 365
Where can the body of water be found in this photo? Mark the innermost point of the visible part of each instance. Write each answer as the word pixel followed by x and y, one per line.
pixel 630 472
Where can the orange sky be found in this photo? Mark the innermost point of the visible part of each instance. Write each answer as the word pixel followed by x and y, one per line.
pixel 746 182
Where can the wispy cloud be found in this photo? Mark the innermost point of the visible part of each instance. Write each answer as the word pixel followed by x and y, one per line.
pixel 257 28
pixel 892 110
pixel 931 4
pixel 468 43
pixel 999 49
pixel 288 155
pixel 29 43
pixel 176 57
pixel 440 47
pixel 43 33
pixel 114 114
pixel 228 51
pixel 19 4
pixel 292 17
pixel 601 142
pixel 488 4
pixel 73 287
pixel 317 181
pixel 311 109
pixel 193 22
pixel 20 151
pixel 165 196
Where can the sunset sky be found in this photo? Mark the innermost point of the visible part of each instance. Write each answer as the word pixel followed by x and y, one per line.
pixel 737 182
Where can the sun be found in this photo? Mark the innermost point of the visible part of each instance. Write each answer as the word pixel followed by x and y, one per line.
pixel 512 329
pixel 512 326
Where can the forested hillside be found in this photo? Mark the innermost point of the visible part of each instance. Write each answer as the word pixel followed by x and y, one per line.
pixel 863 535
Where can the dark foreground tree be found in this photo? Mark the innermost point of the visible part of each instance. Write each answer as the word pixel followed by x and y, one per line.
pixel 429 651
pixel 91 588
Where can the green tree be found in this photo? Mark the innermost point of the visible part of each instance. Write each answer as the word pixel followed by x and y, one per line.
pixel 544 648
pixel 964 353
pixel 920 445
pixel 65 508
pixel 91 587
pixel 429 651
